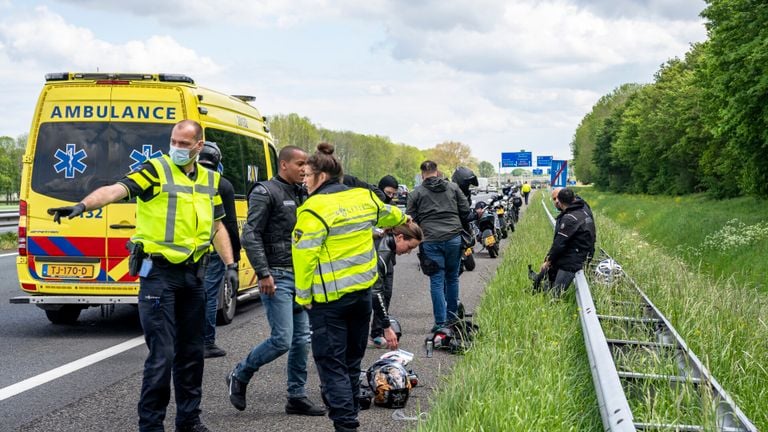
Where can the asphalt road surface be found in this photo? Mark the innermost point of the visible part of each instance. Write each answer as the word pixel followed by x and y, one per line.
pixel 102 396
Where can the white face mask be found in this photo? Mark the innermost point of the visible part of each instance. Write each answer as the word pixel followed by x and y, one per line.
pixel 179 156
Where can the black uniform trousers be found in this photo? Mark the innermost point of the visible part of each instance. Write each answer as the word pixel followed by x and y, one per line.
pixel 339 338
pixel 172 314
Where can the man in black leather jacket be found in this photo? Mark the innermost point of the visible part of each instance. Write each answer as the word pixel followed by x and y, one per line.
pixel 573 243
pixel 266 239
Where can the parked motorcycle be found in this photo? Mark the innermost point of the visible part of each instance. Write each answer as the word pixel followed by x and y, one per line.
pixel 502 227
pixel 486 231
pixel 467 252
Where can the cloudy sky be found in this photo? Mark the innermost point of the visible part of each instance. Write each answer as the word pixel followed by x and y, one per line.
pixel 497 75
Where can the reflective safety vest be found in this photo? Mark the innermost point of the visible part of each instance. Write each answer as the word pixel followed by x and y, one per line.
pixel 526 187
pixel 332 245
pixel 178 222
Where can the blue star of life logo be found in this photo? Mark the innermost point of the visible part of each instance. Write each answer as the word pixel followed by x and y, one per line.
pixel 70 161
pixel 143 156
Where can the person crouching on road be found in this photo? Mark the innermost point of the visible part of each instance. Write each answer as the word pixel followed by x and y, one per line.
pixel 335 266
pixel 397 241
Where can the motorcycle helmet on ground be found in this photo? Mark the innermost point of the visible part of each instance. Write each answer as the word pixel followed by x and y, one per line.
pixel 608 271
pixel 210 156
pixel 390 383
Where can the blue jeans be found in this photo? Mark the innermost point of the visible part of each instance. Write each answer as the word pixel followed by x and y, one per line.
pixel 213 276
pixel 444 285
pixel 290 333
pixel 171 305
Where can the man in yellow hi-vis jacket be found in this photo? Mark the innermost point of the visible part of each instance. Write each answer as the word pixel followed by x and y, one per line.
pixel 178 216
pixel 335 266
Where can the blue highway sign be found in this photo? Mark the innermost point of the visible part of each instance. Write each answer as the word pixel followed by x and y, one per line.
pixel 516 159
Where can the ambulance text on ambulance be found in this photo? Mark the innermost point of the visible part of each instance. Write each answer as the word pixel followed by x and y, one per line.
pixel 113 112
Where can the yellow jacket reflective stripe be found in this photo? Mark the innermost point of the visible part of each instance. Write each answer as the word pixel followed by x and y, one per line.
pixel 333 251
pixel 188 208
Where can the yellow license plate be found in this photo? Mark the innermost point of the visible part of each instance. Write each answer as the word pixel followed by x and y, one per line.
pixel 500 211
pixel 64 271
pixel 490 241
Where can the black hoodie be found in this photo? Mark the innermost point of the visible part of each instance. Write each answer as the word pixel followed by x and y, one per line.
pixel 439 207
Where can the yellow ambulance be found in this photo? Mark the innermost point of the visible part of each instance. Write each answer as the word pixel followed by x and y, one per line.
pixel 89 130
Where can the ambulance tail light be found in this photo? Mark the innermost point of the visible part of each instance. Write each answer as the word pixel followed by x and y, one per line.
pixel 22 228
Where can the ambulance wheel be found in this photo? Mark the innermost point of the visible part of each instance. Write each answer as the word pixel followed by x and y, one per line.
pixel 227 306
pixel 68 314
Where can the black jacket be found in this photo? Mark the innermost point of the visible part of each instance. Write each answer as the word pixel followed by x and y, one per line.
pixel 266 235
pixel 385 249
pixel 227 192
pixel 574 240
pixel 439 207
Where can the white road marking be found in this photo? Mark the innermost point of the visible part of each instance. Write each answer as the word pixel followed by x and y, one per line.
pixel 30 383
pixel 9 254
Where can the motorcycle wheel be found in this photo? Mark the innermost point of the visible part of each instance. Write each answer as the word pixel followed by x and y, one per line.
pixel 469 262
pixel 493 251
pixel 504 233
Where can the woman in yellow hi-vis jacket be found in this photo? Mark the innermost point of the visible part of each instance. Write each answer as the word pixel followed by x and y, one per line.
pixel 335 266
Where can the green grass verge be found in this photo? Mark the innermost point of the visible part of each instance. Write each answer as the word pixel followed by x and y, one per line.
pixel 9 240
pixel 529 370
pixel 726 238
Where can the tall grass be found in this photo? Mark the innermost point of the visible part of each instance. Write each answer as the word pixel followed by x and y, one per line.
pixel 725 238
pixel 8 241
pixel 529 370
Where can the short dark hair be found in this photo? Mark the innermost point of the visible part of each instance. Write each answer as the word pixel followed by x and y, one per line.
pixel 287 153
pixel 566 196
pixel 428 166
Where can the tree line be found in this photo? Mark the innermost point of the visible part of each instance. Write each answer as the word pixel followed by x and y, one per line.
pixel 371 157
pixel 700 126
pixel 11 152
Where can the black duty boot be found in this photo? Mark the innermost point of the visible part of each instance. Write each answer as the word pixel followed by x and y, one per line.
pixel 213 350
pixel 340 428
pixel 197 427
pixel 236 391
pixel 303 406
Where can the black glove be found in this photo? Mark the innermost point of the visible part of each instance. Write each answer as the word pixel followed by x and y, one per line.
pixel 71 211
pixel 232 279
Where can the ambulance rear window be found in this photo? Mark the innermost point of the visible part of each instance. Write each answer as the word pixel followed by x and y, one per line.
pixel 73 159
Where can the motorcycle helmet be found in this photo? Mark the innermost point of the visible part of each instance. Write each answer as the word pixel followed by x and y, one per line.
pixel 390 383
pixel 464 177
pixel 608 271
pixel 480 205
pixel 210 156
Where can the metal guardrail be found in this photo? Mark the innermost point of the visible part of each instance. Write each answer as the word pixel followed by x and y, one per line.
pixel 614 406
pixel 9 218
pixel 9 221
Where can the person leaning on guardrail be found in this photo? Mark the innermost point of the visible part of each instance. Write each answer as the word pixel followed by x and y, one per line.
pixel 335 265
pixel 178 212
pixel 573 243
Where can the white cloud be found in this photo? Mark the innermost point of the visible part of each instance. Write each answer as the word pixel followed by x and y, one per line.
pixel 48 41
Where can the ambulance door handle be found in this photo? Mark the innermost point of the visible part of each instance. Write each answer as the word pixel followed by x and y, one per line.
pixel 122 226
